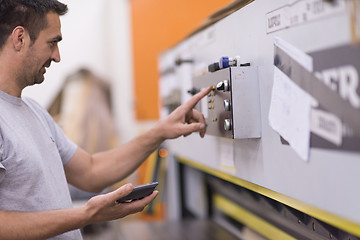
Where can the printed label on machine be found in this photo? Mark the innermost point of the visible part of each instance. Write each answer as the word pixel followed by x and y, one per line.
pixel 326 125
pixel 301 12
pixel 335 86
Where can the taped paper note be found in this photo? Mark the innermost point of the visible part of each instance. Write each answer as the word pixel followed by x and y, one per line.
pixel 290 113
pixel 226 150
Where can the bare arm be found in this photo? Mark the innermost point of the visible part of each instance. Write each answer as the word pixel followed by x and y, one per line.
pixel 93 173
pixel 42 225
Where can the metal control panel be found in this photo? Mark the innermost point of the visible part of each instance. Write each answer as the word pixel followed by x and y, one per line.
pixel 232 108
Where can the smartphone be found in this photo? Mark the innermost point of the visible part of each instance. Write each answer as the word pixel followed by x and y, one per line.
pixel 139 192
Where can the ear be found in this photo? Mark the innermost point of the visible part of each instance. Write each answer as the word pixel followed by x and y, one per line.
pixel 18 37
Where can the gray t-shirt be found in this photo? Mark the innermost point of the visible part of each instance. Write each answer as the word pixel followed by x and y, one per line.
pixel 33 150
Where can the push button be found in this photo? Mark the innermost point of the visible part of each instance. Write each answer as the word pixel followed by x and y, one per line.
pixel 227 125
pixel 227 105
pixel 224 85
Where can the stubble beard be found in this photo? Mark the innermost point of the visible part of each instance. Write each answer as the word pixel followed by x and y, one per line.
pixel 29 77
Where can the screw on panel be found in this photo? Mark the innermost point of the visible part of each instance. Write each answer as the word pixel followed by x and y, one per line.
pixel 313 226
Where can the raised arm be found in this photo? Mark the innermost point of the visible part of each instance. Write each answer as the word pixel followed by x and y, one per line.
pixel 93 173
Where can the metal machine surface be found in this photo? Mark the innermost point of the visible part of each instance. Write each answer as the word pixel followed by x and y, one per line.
pixel 323 184
pixel 232 109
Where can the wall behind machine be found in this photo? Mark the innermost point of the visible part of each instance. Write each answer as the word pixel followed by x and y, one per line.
pixel 158 25
pixel 96 36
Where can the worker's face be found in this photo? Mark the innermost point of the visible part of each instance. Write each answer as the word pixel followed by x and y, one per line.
pixel 44 50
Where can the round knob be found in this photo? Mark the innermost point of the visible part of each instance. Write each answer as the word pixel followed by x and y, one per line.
pixel 227 105
pixel 224 85
pixel 227 124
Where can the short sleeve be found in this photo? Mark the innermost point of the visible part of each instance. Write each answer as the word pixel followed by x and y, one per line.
pixel 2 168
pixel 65 146
pixel 2 172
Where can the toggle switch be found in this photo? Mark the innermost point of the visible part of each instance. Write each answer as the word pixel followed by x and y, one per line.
pixel 224 85
pixel 227 125
pixel 227 105
pixel 226 62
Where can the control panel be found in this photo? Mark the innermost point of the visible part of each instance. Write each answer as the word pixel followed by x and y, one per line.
pixel 232 108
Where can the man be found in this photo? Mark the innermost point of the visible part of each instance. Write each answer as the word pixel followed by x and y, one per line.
pixel 36 159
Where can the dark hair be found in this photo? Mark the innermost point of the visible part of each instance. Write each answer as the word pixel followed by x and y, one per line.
pixel 31 14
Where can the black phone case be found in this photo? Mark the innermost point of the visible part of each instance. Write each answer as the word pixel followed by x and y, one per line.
pixel 139 192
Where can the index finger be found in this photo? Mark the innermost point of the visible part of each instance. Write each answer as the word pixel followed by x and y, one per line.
pixel 196 98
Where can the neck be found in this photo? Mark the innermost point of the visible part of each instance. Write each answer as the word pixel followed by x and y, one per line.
pixel 9 83
pixel 10 90
pixel 8 77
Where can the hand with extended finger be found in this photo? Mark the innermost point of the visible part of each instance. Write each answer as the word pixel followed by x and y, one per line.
pixel 184 120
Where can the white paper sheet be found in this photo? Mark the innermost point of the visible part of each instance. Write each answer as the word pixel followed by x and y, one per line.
pixel 290 113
